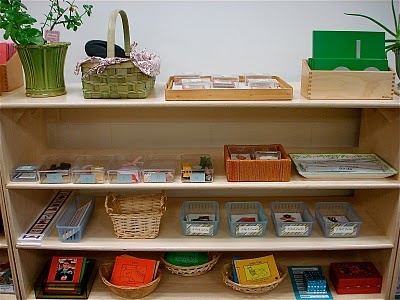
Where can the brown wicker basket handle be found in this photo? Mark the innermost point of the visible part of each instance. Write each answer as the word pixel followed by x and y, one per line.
pixel 163 201
pixel 111 33
pixel 109 198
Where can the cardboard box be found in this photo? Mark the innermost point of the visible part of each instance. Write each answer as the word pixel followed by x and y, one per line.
pixel 11 76
pixel 346 85
pixel 355 278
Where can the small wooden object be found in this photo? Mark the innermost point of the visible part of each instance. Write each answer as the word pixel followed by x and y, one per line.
pixel 105 272
pixel 346 85
pixel 257 170
pixel 11 76
pixel 285 92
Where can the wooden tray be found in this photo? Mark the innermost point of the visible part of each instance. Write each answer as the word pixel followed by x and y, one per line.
pixel 284 93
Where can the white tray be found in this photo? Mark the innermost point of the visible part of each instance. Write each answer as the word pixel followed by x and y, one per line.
pixel 348 165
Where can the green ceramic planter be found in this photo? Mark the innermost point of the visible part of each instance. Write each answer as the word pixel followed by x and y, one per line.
pixel 44 69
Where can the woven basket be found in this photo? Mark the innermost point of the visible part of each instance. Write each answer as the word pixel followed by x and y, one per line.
pixel 122 80
pixel 136 216
pixel 192 270
pixel 105 271
pixel 251 289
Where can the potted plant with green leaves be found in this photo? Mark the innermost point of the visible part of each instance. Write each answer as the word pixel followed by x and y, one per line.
pixel 393 43
pixel 42 56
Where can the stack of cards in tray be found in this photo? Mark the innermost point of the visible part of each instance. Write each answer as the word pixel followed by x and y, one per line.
pixel 66 277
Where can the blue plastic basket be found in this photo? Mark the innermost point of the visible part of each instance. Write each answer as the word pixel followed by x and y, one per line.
pixel 246 229
pixel 288 226
pixel 337 228
pixel 201 227
pixel 73 234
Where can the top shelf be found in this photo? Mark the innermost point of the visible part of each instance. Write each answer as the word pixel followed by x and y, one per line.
pixel 74 98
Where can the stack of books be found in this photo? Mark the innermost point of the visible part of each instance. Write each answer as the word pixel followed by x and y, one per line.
pixel 130 271
pixel 66 275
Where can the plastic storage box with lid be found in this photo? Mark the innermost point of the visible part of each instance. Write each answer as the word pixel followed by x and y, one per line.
pixel 291 218
pixel 57 169
pixel 126 169
pixel 75 218
pixel 355 278
pixel 337 219
pixel 200 218
pixel 246 219
pixel 91 168
pixel 160 168
pixel 197 168
pixel 79 290
pixel 25 173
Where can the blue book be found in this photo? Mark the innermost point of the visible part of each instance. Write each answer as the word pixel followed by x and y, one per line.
pixel 234 274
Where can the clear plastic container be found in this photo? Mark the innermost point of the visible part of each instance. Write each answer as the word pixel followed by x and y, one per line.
pixel 196 84
pixel 57 169
pixel 250 76
pixel 74 220
pixel 225 81
pixel 89 169
pixel 179 77
pixel 200 218
pixel 291 218
pixel 126 169
pixel 25 173
pixel 196 168
pixel 263 83
pixel 160 168
pixel 246 219
pixel 337 219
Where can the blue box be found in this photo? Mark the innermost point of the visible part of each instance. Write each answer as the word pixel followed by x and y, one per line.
pixel 200 225
pixel 242 227
pixel 76 209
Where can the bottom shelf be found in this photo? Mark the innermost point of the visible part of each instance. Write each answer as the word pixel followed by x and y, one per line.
pixel 211 285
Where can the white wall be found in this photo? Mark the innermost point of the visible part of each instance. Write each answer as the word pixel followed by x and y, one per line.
pixel 222 36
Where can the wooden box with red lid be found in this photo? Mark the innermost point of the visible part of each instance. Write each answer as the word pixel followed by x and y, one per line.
pixel 355 278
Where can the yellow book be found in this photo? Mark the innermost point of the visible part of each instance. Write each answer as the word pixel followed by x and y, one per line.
pixel 255 271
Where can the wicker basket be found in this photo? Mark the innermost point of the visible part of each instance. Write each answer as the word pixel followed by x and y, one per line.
pixel 257 170
pixel 105 271
pixel 251 289
pixel 136 216
pixel 123 80
pixel 192 270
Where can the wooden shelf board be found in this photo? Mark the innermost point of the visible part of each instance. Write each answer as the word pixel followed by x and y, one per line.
pixel 211 286
pixel 74 99
pixel 3 242
pixel 99 236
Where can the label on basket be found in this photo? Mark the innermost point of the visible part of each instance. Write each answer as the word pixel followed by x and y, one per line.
pixel 158 177
pixel 54 178
pixel 87 178
pixel 294 229
pixel 343 229
pixel 124 178
pixel 198 177
pixel 249 229
pixel 199 229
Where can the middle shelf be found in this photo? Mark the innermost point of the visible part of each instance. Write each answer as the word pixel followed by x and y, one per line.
pixel 99 234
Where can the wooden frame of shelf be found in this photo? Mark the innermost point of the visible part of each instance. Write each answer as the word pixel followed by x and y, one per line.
pixel 33 128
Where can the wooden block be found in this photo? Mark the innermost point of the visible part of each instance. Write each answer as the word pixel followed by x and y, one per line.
pixel 285 92
pixel 11 74
pixel 346 85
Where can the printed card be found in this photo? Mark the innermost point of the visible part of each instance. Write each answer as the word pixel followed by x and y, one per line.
pixel 200 217
pixel 288 217
pixel 244 218
pixel 336 219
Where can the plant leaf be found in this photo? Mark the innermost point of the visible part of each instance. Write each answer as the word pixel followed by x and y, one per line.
pixel 373 20
pixel 394 15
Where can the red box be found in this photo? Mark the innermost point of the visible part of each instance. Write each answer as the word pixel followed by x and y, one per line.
pixel 355 278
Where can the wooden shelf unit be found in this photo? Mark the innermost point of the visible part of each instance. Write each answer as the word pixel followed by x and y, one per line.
pixel 32 129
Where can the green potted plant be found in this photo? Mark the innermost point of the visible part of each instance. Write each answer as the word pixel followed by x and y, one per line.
pixel 43 61
pixel 393 44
